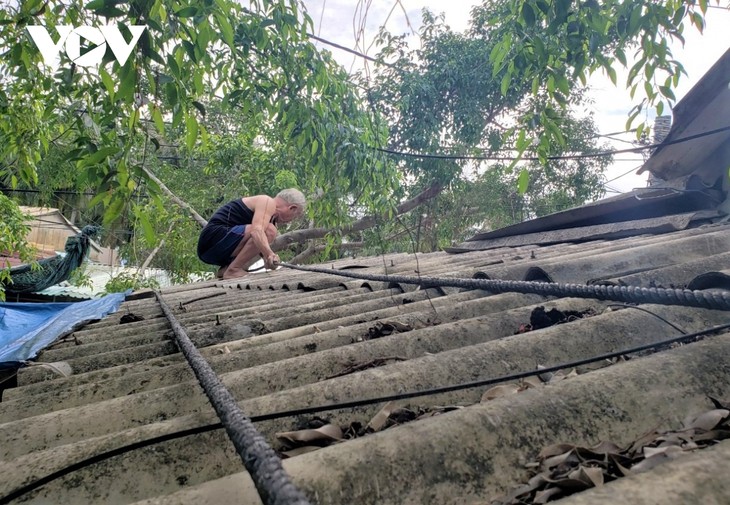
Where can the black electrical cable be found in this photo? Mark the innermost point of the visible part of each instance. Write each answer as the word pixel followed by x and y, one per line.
pixel 642 309
pixel 554 158
pixel 630 294
pixel 97 458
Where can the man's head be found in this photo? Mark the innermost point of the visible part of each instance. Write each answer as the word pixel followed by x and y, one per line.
pixel 291 204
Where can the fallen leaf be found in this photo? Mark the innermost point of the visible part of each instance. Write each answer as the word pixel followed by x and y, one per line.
pixel 299 450
pixel 592 476
pixel 378 421
pixel 532 382
pixel 499 391
pixel 554 461
pixel 325 434
pixel 554 450
pixel 710 419
pixel 656 458
pixel 546 495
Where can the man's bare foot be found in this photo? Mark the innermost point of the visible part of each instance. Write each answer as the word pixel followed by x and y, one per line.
pixel 234 273
pixel 221 271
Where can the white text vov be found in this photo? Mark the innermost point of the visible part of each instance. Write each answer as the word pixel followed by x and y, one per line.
pixel 70 39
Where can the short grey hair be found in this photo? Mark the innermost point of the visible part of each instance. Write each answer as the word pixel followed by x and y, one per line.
pixel 293 196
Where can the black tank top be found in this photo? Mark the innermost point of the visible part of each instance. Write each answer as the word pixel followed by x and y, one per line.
pixel 231 214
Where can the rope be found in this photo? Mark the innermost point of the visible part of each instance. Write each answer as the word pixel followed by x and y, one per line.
pixel 272 482
pixel 626 294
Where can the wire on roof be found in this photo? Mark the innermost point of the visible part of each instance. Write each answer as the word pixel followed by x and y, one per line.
pixel 272 483
pixel 97 458
pixel 630 294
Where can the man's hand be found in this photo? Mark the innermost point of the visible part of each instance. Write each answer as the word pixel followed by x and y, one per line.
pixel 272 261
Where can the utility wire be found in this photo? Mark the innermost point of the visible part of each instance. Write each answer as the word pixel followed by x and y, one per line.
pixel 622 175
pixel 563 157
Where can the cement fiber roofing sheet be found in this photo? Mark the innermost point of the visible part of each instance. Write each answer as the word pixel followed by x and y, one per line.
pixel 288 339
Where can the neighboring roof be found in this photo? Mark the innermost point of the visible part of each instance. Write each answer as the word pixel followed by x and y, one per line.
pixel 634 213
pixel 705 108
pixel 14 260
pixel 38 212
pixel 288 339
pixel 98 277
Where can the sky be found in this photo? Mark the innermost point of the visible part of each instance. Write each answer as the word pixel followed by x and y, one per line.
pixel 340 20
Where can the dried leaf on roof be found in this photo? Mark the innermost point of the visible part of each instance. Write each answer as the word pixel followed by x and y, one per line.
pixel 308 440
pixel 563 469
pixel 526 383
pixel 358 367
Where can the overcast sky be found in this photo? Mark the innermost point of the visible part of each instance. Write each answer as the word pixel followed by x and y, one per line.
pixel 340 20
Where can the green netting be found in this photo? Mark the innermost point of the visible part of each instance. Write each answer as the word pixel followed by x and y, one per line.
pixel 52 270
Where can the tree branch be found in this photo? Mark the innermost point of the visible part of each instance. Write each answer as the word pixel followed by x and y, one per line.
pixel 314 249
pixel 140 271
pixel 186 206
pixel 287 239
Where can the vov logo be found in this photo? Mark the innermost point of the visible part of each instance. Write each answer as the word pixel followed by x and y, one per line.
pixel 70 38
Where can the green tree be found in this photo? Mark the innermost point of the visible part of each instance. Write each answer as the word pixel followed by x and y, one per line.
pixel 13 230
pixel 192 60
pixel 258 60
pixel 443 99
pixel 553 46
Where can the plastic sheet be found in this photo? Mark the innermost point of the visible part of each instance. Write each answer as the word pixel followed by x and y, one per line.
pixel 27 328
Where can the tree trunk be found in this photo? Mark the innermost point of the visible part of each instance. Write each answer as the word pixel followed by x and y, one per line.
pixel 314 249
pixel 285 240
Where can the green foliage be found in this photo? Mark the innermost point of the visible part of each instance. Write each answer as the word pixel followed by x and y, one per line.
pixel 80 278
pixel 553 46
pixel 13 232
pixel 447 94
pixel 258 60
pixel 124 281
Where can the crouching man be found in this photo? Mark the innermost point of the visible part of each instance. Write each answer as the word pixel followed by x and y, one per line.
pixel 241 231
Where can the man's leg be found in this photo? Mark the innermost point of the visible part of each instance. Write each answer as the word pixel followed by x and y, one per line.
pixel 246 254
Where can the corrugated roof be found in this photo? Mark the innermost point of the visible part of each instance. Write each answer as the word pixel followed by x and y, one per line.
pixel 112 414
pixel 289 339
pixel 705 108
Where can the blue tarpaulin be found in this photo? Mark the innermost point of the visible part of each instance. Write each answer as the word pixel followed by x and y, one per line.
pixel 27 328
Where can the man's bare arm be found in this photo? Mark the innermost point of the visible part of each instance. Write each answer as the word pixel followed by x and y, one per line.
pixel 263 210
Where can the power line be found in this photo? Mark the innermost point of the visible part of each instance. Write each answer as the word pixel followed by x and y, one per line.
pixel 352 51
pixel 622 175
pixel 553 158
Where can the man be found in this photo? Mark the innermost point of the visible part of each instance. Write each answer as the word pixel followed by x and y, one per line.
pixel 242 230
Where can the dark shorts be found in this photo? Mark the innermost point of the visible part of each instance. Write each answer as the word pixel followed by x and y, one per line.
pixel 220 252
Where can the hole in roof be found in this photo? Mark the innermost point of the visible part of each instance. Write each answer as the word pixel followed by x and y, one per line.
pixel 395 285
pixel 480 275
pixel 352 267
pixel 285 287
pixel 537 274
pixel 710 280
pixel 304 288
